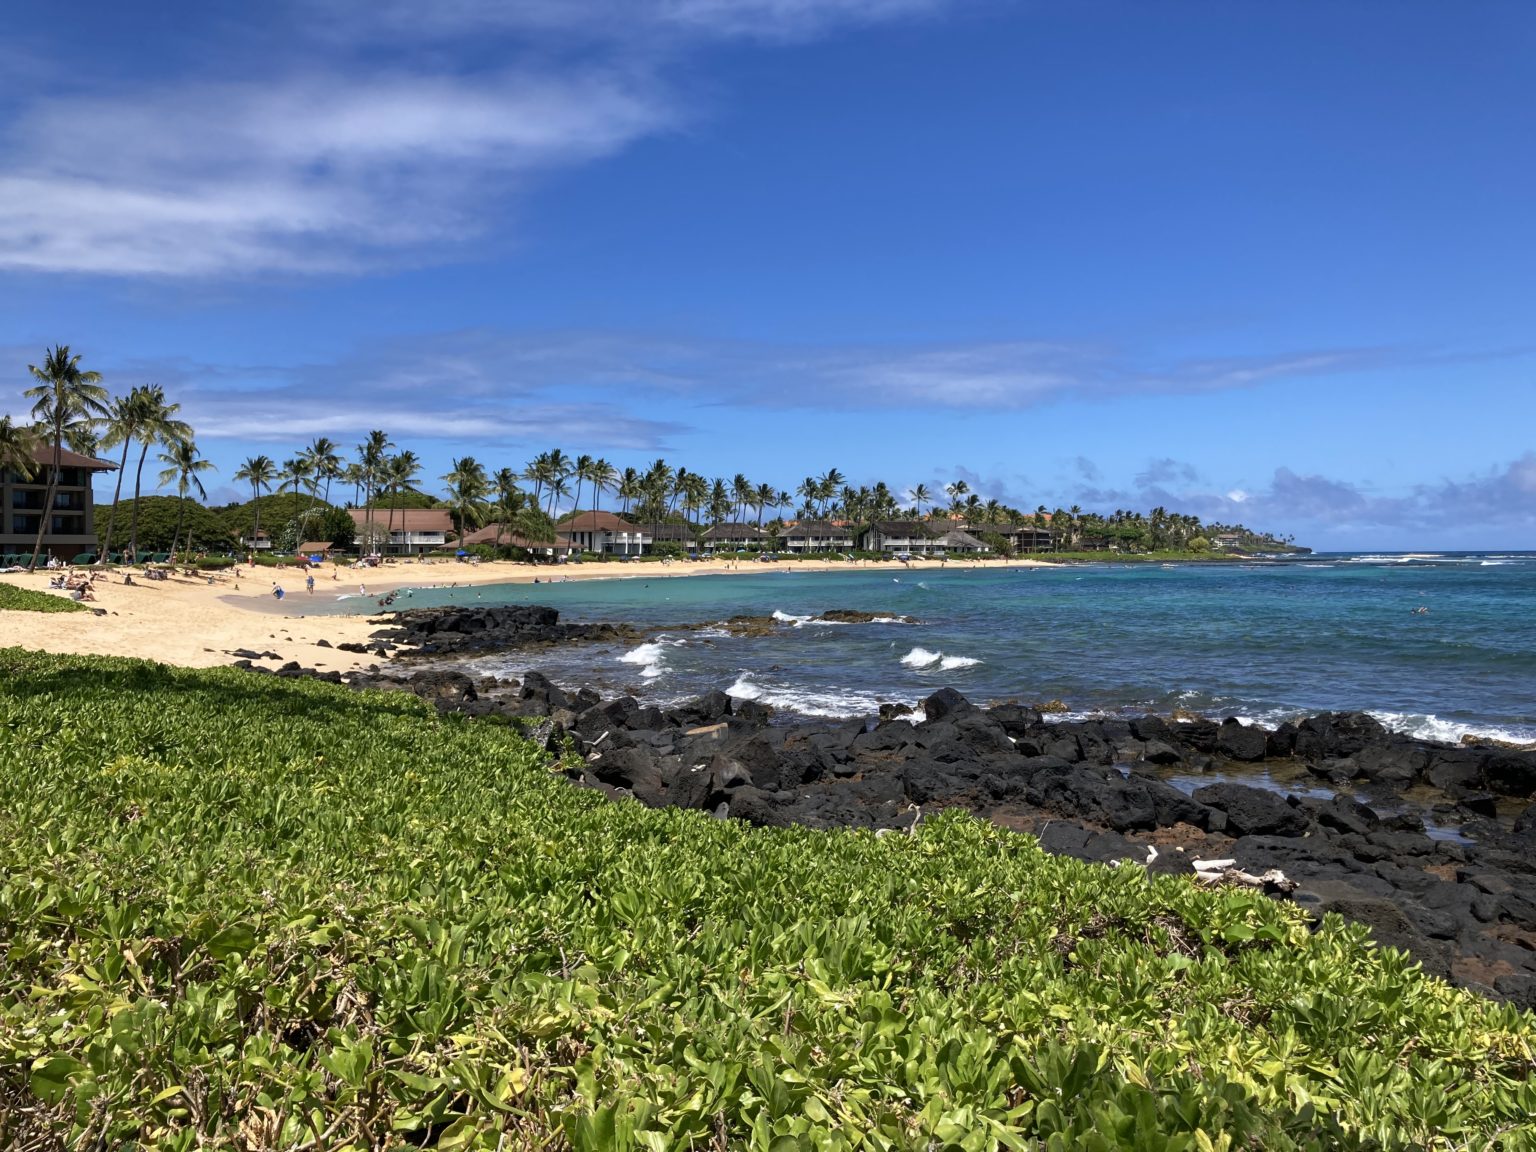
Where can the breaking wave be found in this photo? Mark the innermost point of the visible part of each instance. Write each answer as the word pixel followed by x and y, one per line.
pixel 833 703
pixel 922 658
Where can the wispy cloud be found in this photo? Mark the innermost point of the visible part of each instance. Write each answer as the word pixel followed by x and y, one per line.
pixel 630 20
pixel 304 173
pixel 1495 508
pixel 459 383
pixel 322 159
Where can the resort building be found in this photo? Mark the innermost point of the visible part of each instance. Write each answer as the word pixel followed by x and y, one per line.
pixel 1227 540
pixel 817 536
pixel 601 532
pixel 671 532
pixel 920 538
pixel 256 542
pixel 71 527
pixel 1023 537
pixel 410 530
pixel 733 537
pixel 896 536
pixel 497 534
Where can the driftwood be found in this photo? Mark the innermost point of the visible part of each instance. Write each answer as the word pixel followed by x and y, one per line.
pixel 1226 872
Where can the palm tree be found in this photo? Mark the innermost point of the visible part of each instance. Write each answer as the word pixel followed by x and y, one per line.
pixel 956 493
pixel 557 470
pixel 124 419
pixel 183 465
pixel 371 454
pixel 324 463
pixel 604 477
pixel 353 474
pixel 159 425
pixel 63 395
pixel 509 499
pixel 742 493
pixel 719 502
pixel 629 488
pixel 827 486
pixel 18 448
pixel 921 496
pixel 294 472
pixel 581 471
pixel 399 473
pixel 467 490
pixel 258 472
pixel 762 498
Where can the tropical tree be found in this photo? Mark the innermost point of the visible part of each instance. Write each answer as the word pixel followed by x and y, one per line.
pixel 124 419
pixel 399 472
pixel 324 463
pixel 742 493
pixel 509 499
pixel 371 455
pixel 762 498
pixel 467 490
pixel 604 477
pixel 159 425
pixel 183 464
pixel 295 471
pixel 64 395
pixel 921 496
pixel 259 472
pixel 629 489
pixel 719 502
pixel 18 448
pixel 581 472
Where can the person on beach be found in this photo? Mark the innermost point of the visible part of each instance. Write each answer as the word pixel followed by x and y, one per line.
pixel 277 591
pixel 309 583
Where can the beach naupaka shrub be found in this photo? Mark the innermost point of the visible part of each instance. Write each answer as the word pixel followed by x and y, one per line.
pixel 244 912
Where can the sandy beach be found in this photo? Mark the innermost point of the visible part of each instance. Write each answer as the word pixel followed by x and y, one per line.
pixel 195 623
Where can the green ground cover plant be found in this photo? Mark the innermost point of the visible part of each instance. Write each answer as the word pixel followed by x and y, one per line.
pixel 242 912
pixel 14 599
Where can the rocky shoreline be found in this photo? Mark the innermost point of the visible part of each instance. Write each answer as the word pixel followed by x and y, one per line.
pixel 1432 846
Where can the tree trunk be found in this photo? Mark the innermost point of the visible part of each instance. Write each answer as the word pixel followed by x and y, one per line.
pixel 133 527
pixel 117 493
pixel 46 519
pixel 256 511
pixel 181 515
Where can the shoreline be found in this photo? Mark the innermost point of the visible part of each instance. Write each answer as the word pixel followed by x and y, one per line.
pixel 198 622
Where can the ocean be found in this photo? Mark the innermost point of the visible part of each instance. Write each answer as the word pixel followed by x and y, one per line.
pixel 1433 645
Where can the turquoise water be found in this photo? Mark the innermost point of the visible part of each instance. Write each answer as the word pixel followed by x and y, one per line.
pixel 1264 641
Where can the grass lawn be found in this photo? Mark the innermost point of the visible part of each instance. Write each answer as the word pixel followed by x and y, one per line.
pixel 14 599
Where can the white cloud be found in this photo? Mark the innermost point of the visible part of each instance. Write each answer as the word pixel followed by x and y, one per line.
pixel 302 174
pixel 321 159
pixel 632 20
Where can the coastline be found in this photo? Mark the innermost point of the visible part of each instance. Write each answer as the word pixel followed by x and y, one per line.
pixel 200 622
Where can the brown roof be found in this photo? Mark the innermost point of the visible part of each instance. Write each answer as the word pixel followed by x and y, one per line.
pixel 487 535
pixel 316 546
pixel 406 519
pixel 68 459
pixel 596 522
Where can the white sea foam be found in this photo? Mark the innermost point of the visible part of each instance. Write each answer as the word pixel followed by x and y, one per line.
pixel 649 657
pixel 786 618
pixel 828 702
pixel 1428 726
pixel 922 658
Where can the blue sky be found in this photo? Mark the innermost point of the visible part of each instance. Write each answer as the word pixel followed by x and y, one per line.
pixel 1267 262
